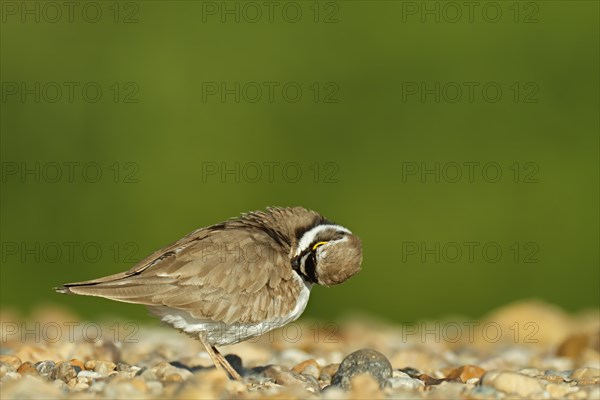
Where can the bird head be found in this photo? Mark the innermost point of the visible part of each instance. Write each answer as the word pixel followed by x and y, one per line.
pixel 328 255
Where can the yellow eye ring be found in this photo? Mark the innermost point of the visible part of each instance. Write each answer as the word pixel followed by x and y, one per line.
pixel 318 244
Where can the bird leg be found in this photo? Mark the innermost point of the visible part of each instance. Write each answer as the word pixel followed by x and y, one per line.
pixel 218 359
pixel 228 367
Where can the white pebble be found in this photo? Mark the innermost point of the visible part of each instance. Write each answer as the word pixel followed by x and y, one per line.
pixel 89 374
pixel 405 383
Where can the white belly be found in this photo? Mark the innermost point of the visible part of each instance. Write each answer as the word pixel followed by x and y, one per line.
pixel 219 333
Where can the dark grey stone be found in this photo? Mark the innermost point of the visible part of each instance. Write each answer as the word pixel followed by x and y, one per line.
pixel 365 361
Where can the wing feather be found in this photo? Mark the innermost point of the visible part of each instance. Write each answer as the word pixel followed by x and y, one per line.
pixel 232 273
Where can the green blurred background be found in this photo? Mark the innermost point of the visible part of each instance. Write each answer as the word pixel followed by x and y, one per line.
pixel 361 122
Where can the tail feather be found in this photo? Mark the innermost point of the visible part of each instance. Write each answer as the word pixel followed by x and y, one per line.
pixel 88 287
pixel 63 289
pixel 120 287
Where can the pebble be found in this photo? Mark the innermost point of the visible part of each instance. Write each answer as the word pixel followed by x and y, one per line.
pixel 513 383
pixel 128 373
pixel 45 368
pixel 328 371
pixel 399 374
pixel 365 361
pixel 164 365
pixel 565 375
pixel 168 373
pixel 11 360
pixel 289 378
pixel 77 363
pixel 309 367
pixel 560 390
pixel 90 374
pixel 27 368
pixel 64 371
pixel 103 367
pixel 123 367
pixel 466 372
pixel 148 375
pixel 405 383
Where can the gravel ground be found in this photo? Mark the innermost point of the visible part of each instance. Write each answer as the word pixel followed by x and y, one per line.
pixel 523 350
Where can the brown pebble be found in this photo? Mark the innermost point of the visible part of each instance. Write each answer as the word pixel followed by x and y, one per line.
pixel 330 369
pixel 465 373
pixel 573 346
pixel 27 368
pixel 77 363
pixel 14 361
pixel 310 367
pixel 429 380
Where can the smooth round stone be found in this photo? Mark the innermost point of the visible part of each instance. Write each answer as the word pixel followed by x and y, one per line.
pixel 365 361
pixel 513 383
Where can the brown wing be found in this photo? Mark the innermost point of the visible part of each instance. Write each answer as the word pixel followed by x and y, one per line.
pixel 227 273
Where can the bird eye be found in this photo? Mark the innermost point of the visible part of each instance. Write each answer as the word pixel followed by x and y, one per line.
pixel 318 244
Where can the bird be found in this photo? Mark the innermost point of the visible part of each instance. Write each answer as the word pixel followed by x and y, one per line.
pixel 237 279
